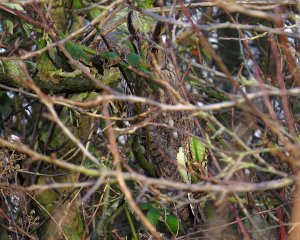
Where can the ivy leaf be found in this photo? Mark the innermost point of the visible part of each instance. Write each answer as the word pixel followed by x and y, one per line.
pixel 215 93
pixel 47 60
pixel 181 160
pixel 197 149
pixel 72 234
pixel 78 51
pixel 110 55
pixel 136 60
pixel 145 206
pixel 6 105
pixel 145 3
pixel 111 58
pixel 234 200
pixel 153 216
pixel 77 4
pixel 206 54
pixel 199 157
pixel 95 12
pixel 172 224
pixel 8 25
pixel 133 59
pixel 15 6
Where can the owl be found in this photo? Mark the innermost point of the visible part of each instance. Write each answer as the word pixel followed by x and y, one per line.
pixel 170 136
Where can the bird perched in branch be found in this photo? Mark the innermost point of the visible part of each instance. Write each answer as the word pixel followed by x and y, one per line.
pixel 167 144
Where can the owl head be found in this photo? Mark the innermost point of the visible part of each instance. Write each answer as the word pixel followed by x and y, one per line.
pixel 146 37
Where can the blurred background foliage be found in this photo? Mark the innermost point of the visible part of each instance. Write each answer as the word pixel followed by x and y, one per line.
pixel 229 145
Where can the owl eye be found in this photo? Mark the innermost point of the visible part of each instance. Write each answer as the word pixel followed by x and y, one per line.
pixel 130 24
pixel 155 50
pixel 158 29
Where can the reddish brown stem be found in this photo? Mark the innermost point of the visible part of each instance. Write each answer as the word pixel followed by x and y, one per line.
pixel 239 222
pixel 284 99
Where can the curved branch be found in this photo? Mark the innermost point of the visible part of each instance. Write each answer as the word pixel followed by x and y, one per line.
pixel 57 82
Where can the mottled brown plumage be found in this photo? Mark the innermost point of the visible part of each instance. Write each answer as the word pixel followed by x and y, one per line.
pixel 169 140
pixel 164 142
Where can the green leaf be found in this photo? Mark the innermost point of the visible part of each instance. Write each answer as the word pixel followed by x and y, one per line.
pixel 53 54
pixel 215 93
pixel 209 209
pixel 139 155
pixel 72 234
pixel 136 60
pixel 111 58
pixel 8 25
pixel 27 29
pixel 234 200
pixel 153 216
pixel 78 51
pixel 3 233
pixel 172 224
pixel 95 12
pixel 145 206
pixel 181 160
pixel 145 3
pixel 110 55
pixel 6 105
pixel 197 149
pixel 77 4
pixel 15 6
pixel 47 59
pixel 133 59
pixel 206 54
